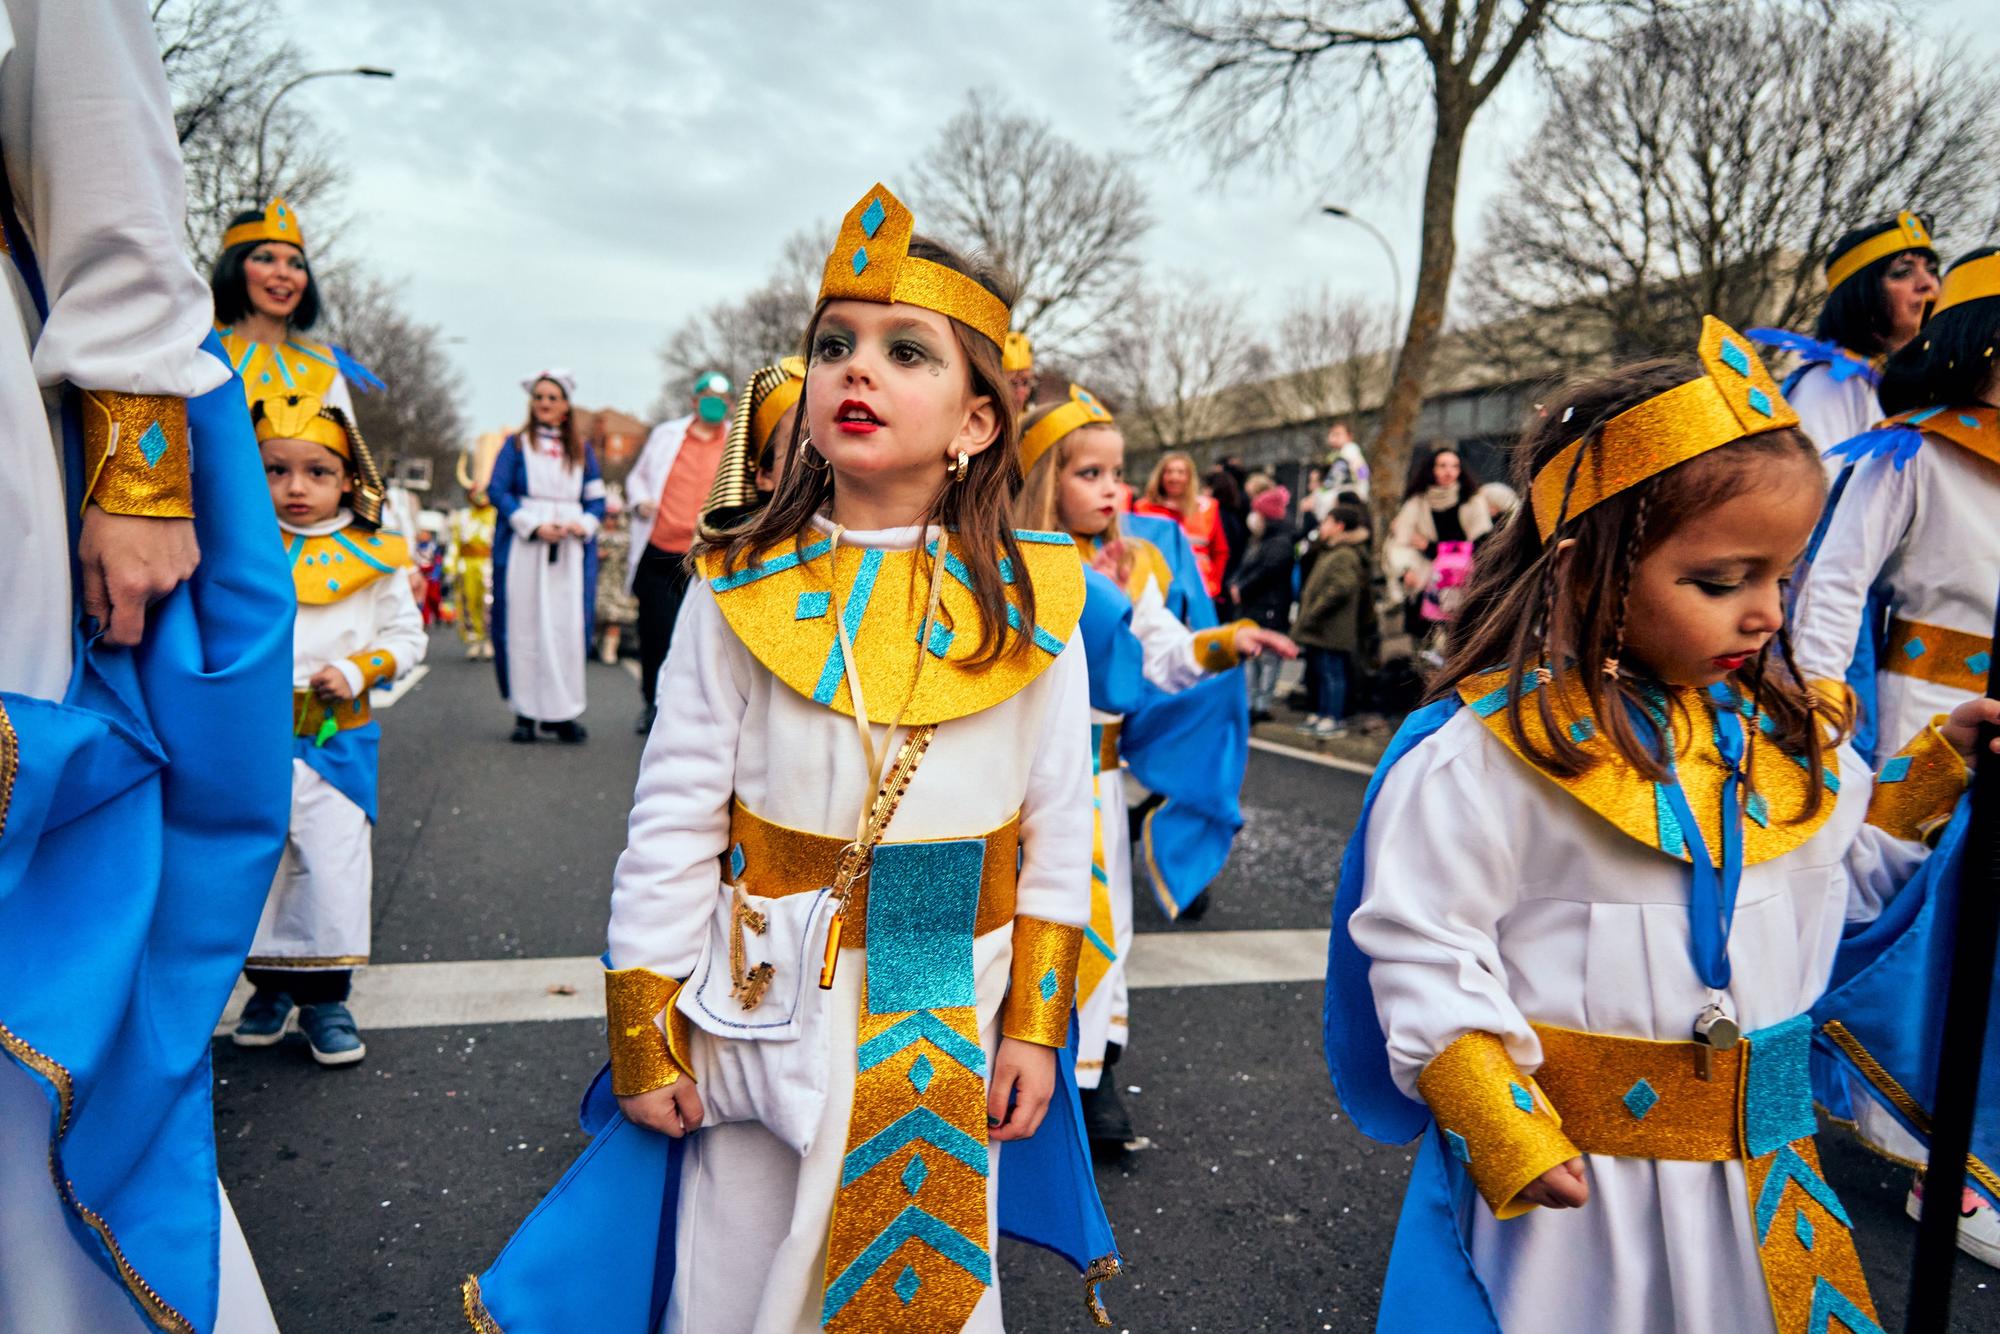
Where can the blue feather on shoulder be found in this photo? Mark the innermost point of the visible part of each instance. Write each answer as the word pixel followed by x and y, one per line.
pixel 1899 439
pixel 1839 362
pixel 358 375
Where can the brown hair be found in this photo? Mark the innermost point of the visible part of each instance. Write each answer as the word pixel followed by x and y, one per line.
pixel 1530 606
pixel 976 509
pixel 571 445
pixel 1190 504
pixel 1038 506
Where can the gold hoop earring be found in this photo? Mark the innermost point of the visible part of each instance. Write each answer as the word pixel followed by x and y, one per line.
pixel 959 469
pixel 807 454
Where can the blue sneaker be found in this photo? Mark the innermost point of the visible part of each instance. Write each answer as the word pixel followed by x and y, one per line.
pixel 331 1034
pixel 266 1016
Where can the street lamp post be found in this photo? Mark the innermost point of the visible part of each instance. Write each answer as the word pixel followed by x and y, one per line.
pixel 1395 268
pixel 264 121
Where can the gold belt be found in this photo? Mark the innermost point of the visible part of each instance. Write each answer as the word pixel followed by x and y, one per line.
pixel 777 860
pixel 1938 655
pixel 1591 1079
pixel 1107 746
pixel 309 713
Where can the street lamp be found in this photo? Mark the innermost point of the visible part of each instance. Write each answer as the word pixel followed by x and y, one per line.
pixel 1395 269
pixel 264 121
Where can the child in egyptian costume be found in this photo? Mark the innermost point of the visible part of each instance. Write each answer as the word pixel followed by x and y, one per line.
pixel 759 445
pixel 846 926
pixel 1600 878
pixel 358 627
pixel 1164 700
pixel 470 556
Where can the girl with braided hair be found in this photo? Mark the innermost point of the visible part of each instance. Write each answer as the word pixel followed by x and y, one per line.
pixel 1593 994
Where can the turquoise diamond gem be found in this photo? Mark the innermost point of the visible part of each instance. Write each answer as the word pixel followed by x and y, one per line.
pixel 1761 401
pixel 921 1071
pixel 1915 649
pixel 1582 730
pixel 1759 810
pixel 153 444
pixel 1640 1099
pixel 1803 1226
pixel 1967 419
pixel 812 605
pixel 1734 357
pixel 333 585
pixel 860 260
pixel 1895 771
pixel 1979 662
pixel 915 1174
pixel 1048 985
pixel 736 862
pixel 907 1284
pixel 1457 1143
pixel 872 218
pixel 1522 1098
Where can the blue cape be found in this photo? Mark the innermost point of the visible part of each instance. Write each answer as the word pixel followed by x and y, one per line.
pixel 347 761
pixel 507 488
pixel 1187 595
pixel 598 1251
pixel 146 820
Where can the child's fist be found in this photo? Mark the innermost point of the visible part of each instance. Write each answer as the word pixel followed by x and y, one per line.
pixel 1561 1187
pixel 673 1110
pixel 330 684
pixel 1962 728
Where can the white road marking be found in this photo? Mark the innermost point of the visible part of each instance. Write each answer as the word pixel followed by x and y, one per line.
pixel 1310 757
pixel 513 991
pixel 384 698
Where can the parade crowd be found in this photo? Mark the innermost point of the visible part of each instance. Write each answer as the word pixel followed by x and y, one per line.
pixel 1657 861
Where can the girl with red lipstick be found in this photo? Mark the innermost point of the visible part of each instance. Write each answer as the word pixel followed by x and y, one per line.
pixel 1592 998
pixel 846 926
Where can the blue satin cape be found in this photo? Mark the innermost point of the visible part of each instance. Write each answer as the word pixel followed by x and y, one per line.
pixel 145 824
pixel 507 488
pixel 1187 595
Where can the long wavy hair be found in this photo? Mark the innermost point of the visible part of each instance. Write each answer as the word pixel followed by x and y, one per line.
pixel 975 510
pixel 1189 504
pixel 1530 605
pixel 1039 505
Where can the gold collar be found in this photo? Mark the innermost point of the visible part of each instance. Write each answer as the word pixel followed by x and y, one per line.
pixel 336 565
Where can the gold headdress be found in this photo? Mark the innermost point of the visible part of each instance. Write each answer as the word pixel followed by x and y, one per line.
pixel 1906 233
pixel 304 417
pixel 871 261
pixel 1734 397
pixel 1017 353
pixel 1969 280
pixel 278 224
pixel 771 392
pixel 1080 409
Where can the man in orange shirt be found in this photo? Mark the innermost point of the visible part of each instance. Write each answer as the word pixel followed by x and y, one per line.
pixel 667 487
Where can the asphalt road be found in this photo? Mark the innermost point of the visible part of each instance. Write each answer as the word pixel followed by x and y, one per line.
pixel 368 1193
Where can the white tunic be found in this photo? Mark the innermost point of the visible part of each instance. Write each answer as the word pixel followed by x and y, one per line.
pixel 1493 898
pixel 545 648
pixel 754 1215
pixel 1928 533
pixel 317 914
pixel 1832 411
pixel 87 132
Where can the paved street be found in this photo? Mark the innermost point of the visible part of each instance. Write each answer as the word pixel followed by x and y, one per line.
pixel 369 1193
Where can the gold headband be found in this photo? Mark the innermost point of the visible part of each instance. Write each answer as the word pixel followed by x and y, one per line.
pixel 777 399
pixel 1969 280
pixel 302 417
pixel 1908 233
pixel 1081 409
pixel 1733 397
pixel 1017 353
pixel 277 224
pixel 871 261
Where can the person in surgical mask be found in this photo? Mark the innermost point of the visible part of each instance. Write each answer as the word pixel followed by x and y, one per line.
pixel 667 487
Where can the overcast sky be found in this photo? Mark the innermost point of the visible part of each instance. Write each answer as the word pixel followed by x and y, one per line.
pixel 562 184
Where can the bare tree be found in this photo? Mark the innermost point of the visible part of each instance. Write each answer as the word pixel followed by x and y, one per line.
pixel 418 415
pixel 1331 358
pixel 1178 352
pixel 1705 163
pixel 223 66
pixel 1065 223
pixel 739 336
pixel 1268 79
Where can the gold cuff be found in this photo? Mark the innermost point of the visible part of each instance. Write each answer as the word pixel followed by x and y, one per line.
pixel 1044 981
pixel 135 454
pixel 1494 1119
pixel 1215 650
pixel 644 1058
pixel 1916 790
pixel 376 665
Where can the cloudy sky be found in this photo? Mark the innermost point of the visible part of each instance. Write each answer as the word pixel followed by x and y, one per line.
pixel 562 184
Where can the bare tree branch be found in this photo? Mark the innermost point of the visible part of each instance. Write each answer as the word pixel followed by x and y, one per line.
pixel 739 336
pixel 1176 352
pixel 418 415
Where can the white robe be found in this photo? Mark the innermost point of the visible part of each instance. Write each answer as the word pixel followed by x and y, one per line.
pixel 317 914
pixel 1104 1017
pixel 84 119
pixel 1493 898
pixel 1832 411
pixel 545 648
pixel 754 1215
pixel 643 483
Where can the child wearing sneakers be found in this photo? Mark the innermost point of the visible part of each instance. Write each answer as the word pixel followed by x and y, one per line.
pixel 357 627
pixel 1334 611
